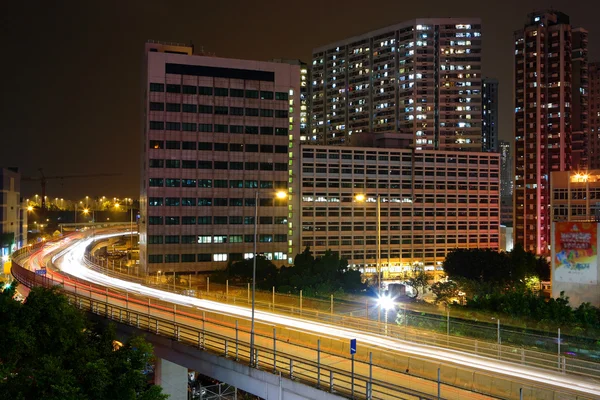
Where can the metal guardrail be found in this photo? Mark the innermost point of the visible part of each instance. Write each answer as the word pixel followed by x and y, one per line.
pixel 306 370
pixel 519 355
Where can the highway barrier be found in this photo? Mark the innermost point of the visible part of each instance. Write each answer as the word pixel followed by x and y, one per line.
pixel 415 377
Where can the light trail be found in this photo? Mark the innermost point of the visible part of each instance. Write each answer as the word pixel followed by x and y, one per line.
pixel 70 260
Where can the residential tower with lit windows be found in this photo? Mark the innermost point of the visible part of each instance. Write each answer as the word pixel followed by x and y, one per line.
pixel 544 91
pixel 431 203
pixel 594 115
pixel 304 96
pixel 420 79
pixel 220 138
pixel 489 112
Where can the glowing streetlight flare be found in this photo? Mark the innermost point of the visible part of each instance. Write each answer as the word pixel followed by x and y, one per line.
pixel 281 195
pixel 386 302
pixel 360 197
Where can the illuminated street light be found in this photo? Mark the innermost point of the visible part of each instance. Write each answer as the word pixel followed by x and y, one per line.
pixel 386 303
pixel 362 198
pixel 280 195
pixel 29 208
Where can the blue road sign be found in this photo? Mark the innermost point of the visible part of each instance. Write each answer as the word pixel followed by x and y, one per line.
pixel 352 346
pixel 40 271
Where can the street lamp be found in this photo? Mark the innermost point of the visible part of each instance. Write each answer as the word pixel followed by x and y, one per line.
pixel 157 274
pixel 362 198
pixel 386 303
pixel 131 225
pixel 280 195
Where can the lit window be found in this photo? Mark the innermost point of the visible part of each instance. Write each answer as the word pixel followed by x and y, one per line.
pixel 220 257
pixel 204 239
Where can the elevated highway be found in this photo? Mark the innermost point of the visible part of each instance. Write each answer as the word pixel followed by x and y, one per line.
pixel 305 351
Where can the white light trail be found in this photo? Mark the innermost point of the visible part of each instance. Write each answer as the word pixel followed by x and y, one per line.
pixel 72 263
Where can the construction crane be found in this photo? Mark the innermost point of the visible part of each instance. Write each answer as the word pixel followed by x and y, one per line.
pixel 43 179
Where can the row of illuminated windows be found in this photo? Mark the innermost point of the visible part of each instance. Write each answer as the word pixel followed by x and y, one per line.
pixel 308 226
pixel 373 156
pixel 442 198
pixel 218 110
pixel 217 220
pixel 385 184
pixel 218 128
pixel 206 146
pixel 218 165
pixel 233 147
pixel 349 242
pixel 395 171
pixel 218 91
pixel 224 183
pixel 208 257
pixel 406 214
pixel 577 194
pixel 204 239
pixel 232 165
pixel 577 210
pixel 209 201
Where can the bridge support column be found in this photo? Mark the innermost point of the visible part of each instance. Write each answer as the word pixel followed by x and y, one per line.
pixel 173 378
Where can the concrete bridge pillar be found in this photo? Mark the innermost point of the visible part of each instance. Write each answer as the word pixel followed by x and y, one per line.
pixel 173 378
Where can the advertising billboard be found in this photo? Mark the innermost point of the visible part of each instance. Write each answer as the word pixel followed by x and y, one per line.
pixel 575 252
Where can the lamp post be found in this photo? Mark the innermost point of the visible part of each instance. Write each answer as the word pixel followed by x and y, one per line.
pixel 280 195
pixel 386 303
pixel 131 224
pixel 361 198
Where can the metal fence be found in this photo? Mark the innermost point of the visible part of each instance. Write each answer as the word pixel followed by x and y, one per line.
pixel 364 379
pixel 405 324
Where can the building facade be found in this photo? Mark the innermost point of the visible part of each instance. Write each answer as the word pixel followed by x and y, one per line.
pixel 489 112
pixel 506 184
pixel 220 138
pixel 305 87
pixel 13 214
pixel 594 115
pixel 431 203
pixel 575 240
pixel 419 79
pixel 543 82
pixel 580 106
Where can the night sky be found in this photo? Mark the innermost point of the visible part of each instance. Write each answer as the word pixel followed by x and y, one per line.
pixel 71 87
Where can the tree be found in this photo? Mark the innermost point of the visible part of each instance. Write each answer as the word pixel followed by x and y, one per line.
pixel 444 291
pixel 266 271
pixel 417 281
pixel 49 350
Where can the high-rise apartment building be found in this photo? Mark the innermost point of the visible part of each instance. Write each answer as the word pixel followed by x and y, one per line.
pixel 419 79
pixel 304 97
pixel 506 176
pixel 594 115
pixel 543 84
pixel 220 139
pixel 489 112
pixel 431 203
pixel 580 106
pixel 506 184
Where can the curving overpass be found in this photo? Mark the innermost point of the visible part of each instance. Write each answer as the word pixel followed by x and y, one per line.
pixel 303 356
